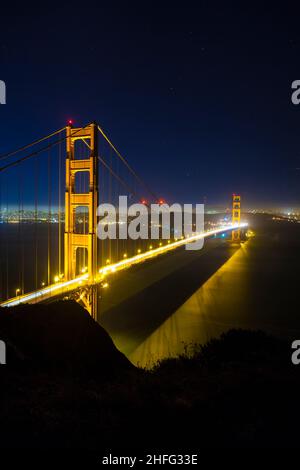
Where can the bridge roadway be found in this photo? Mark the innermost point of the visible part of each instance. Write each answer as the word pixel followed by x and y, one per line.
pixel 65 287
pixel 156 310
pixel 140 300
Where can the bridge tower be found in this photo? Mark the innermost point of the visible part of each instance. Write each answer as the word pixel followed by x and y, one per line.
pixel 236 216
pixel 72 239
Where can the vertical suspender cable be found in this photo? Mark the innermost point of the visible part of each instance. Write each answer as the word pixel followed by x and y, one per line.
pixel 36 191
pixel 110 198
pixel 59 210
pixel 22 232
pixel 5 286
pixel 19 227
pixel 49 218
pixel 1 242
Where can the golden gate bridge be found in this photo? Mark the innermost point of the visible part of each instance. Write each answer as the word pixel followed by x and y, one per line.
pixel 76 168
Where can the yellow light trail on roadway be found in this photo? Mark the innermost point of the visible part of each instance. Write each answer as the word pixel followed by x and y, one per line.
pixel 47 292
pixel 64 287
pixel 125 263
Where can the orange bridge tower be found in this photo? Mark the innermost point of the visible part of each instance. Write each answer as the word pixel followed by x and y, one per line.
pixel 73 241
pixel 236 216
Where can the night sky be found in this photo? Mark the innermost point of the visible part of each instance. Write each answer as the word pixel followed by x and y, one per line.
pixel 198 98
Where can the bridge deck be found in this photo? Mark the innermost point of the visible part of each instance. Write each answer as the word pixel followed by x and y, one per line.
pixel 65 287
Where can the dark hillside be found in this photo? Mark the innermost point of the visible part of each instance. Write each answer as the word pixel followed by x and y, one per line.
pixel 61 337
pixel 66 386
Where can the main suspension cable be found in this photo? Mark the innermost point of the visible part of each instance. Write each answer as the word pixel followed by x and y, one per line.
pixel 35 142
pixel 33 154
pixel 127 164
pixel 126 186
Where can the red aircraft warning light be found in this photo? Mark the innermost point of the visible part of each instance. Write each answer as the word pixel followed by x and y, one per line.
pixel 70 122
